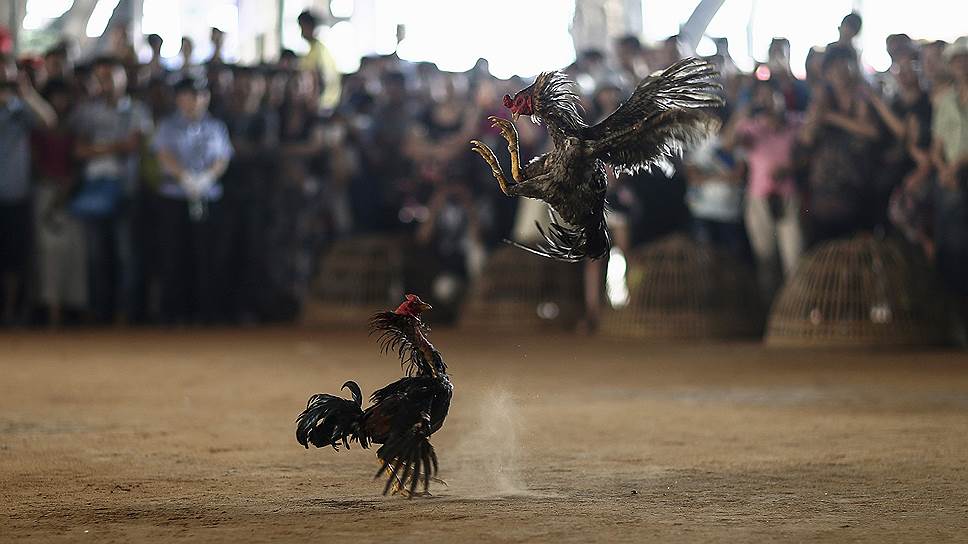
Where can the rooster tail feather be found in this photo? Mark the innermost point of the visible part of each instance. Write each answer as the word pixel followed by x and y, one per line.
pixel 329 420
pixel 569 244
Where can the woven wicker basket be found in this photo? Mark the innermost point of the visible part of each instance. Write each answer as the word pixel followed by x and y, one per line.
pixel 681 290
pixel 519 291
pixel 858 292
pixel 357 277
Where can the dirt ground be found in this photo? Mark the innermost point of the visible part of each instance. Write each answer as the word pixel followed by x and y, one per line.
pixel 162 435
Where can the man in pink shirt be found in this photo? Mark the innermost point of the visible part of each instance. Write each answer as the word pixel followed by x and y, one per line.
pixel 768 134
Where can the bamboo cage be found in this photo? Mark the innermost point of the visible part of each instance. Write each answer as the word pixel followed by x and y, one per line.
pixel 682 290
pixel 858 292
pixel 519 291
pixel 357 277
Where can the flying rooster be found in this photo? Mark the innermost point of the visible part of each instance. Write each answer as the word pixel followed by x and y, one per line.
pixel 666 111
pixel 402 416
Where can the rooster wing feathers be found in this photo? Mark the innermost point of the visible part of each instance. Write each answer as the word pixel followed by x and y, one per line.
pixel 664 113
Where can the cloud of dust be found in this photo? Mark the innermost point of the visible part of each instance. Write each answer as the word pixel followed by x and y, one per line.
pixel 488 455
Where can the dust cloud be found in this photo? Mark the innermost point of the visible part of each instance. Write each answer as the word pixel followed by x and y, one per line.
pixel 488 458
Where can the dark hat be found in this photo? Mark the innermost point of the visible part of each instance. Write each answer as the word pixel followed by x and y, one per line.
pixel 191 84
pixel 308 16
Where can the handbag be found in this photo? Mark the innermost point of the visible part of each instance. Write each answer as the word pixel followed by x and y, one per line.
pixel 97 198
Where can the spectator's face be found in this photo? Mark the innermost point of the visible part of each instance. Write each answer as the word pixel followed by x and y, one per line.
pixel 958 66
pixel 155 44
pixel 111 81
pixel 766 100
pixel 55 63
pixel 779 54
pixel 192 104
pixel 839 72
pixel 847 31
pixel 897 46
pixel 307 30
pixel 906 73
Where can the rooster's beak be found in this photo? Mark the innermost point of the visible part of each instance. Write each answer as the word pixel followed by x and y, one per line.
pixel 515 115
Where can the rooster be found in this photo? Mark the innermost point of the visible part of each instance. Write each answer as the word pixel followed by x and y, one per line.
pixel 665 112
pixel 402 416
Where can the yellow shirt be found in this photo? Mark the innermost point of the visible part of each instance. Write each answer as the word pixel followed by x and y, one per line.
pixel 320 60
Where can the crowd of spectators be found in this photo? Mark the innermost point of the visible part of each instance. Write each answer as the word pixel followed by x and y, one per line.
pixel 193 192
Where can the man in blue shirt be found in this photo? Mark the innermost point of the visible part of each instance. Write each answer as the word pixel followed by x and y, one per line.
pixel 193 149
pixel 21 110
pixel 109 130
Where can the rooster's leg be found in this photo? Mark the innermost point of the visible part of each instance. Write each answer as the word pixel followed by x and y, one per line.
pixel 509 133
pixel 488 155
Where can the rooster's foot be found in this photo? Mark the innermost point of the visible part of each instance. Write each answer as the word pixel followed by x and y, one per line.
pixel 488 155
pixel 509 133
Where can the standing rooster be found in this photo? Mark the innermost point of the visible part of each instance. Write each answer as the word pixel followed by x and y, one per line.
pixel 402 415
pixel 664 112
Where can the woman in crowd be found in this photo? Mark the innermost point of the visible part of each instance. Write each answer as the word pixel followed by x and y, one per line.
pixel 840 131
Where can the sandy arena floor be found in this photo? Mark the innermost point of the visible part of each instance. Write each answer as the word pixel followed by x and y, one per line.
pixel 110 437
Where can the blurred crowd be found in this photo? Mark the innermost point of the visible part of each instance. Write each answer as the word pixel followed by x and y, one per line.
pixel 185 192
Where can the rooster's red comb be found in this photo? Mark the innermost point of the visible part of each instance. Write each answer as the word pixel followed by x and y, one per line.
pixel 507 101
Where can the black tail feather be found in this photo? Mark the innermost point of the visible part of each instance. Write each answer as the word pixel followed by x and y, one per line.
pixel 569 244
pixel 329 420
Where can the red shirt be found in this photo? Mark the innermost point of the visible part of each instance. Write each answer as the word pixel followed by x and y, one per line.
pixel 53 153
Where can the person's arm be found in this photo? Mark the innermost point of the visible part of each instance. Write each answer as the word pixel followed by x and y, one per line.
pixel 170 165
pixel 729 137
pixel 306 148
pixel 218 168
pixel 425 231
pixel 860 126
pixel 946 171
pixel 35 103
pixel 894 123
pixel 921 156
pixel 332 80
pixel 225 152
pixel 811 123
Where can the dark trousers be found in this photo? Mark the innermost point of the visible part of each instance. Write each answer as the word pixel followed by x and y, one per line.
pixel 115 266
pixel 724 235
pixel 189 259
pixel 15 247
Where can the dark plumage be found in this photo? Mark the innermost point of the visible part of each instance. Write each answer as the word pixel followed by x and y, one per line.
pixel 402 416
pixel 665 112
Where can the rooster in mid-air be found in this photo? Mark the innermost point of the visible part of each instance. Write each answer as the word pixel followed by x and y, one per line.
pixel 665 111
pixel 402 415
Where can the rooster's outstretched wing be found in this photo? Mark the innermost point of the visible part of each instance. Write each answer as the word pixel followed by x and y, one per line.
pixel 665 112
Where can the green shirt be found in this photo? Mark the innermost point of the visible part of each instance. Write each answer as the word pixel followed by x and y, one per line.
pixel 950 125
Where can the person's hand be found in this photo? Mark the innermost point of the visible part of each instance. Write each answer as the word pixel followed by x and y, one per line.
pixel 24 85
pixel 127 145
pixel 189 182
pixel 948 176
